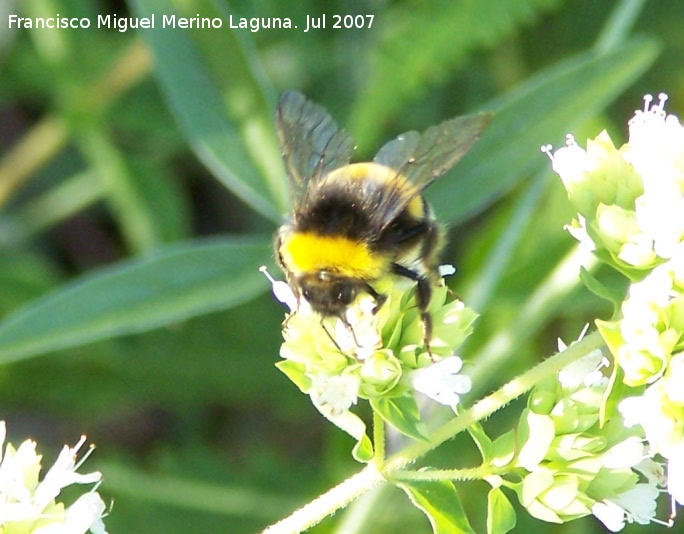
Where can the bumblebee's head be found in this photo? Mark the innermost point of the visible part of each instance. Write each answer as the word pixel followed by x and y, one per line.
pixel 327 293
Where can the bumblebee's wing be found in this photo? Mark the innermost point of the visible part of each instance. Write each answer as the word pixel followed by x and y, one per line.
pixel 422 158
pixel 310 143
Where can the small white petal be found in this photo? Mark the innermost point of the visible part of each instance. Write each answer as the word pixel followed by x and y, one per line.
pixel 281 290
pixel 610 514
pixel 627 453
pixel 653 471
pixel 334 395
pixel 86 514
pixel 441 381
pixel 585 371
pixel 639 503
pixel 633 411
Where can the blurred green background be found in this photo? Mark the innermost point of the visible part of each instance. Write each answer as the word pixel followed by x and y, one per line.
pixel 140 183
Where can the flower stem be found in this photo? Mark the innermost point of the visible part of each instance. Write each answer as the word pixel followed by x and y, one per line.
pixel 497 400
pixel 474 473
pixel 334 499
pixel 378 439
pixel 370 477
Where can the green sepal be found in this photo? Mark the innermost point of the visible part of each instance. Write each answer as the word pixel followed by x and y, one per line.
pixel 501 516
pixel 363 450
pixel 484 444
pixel 440 502
pixel 503 449
pixel 615 392
pixel 601 290
pixel 296 372
pixel 403 414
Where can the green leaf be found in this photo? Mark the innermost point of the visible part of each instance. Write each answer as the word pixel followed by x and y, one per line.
pixel 417 50
pixel 503 449
pixel 543 109
pixel 215 89
pixel 481 439
pixel 169 285
pixel 402 413
pixel 500 513
pixel 598 288
pixel 439 500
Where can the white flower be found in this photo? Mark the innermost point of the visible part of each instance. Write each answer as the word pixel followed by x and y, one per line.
pixel 441 381
pixel 637 505
pixel 360 335
pixel 26 500
pixel 86 514
pixel 569 162
pixel 584 372
pixel 653 471
pixel 656 145
pixel 653 412
pixel 63 473
pixel 333 395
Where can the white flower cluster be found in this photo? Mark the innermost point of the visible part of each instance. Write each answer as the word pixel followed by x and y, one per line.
pixel 630 201
pixel 28 505
pixel 376 354
pixel 630 204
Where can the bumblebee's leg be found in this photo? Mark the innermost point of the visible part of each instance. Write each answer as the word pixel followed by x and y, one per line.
pixel 332 337
pixel 423 297
pixel 379 299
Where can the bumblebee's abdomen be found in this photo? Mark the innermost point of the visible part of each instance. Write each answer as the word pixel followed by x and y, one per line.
pixel 311 252
pixel 336 213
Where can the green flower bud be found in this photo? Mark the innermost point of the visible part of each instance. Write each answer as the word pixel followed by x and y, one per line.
pixel 379 374
pixel 553 497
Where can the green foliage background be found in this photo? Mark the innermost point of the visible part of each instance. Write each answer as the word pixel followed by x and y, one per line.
pixel 140 182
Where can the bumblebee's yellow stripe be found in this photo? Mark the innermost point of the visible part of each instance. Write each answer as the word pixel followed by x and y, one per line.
pixel 309 252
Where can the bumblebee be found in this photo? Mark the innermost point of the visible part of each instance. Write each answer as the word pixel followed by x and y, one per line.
pixel 355 223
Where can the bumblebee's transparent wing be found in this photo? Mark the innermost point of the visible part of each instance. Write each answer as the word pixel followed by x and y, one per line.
pixel 310 143
pixel 422 158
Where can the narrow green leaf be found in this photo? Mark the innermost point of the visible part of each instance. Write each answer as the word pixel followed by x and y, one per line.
pixel 439 500
pixel 215 90
pixel 598 288
pixel 170 285
pixel 542 110
pixel 500 513
pixel 402 413
pixel 417 50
